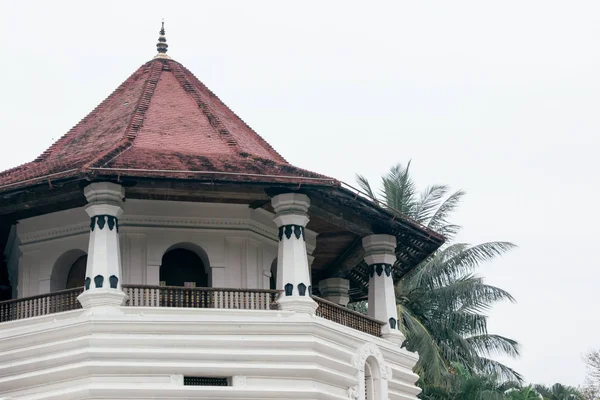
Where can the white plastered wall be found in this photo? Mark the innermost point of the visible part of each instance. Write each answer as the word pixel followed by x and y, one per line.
pixel 236 243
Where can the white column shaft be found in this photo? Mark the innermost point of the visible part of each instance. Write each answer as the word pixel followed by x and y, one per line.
pixel 103 269
pixel 293 272
pixel 104 253
pixel 380 257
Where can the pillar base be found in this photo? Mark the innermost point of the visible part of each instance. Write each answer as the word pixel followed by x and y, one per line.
pixel 302 304
pixel 102 298
pixel 393 335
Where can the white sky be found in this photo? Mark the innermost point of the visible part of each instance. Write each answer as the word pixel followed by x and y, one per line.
pixel 498 98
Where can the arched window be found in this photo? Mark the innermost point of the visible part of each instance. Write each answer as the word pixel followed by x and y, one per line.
pixel 371 379
pixel 182 267
pixel 76 276
pixel 68 271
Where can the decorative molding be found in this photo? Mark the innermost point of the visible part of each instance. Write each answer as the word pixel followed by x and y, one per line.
pixel 388 371
pixel 54 233
pixel 302 289
pixel 238 380
pixel 297 230
pixel 289 289
pixel 98 281
pixel 102 220
pixel 199 223
pixel 177 379
pixel 370 350
pixel 379 269
pixel 353 392
pixel 155 222
pixel 141 221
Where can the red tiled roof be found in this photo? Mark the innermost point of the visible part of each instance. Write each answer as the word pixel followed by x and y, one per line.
pixel 161 120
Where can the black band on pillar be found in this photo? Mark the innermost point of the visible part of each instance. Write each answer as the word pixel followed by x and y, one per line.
pixel 288 289
pixel 380 268
pixel 301 289
pixel 288 230
pixel 102 220
pixel 98 281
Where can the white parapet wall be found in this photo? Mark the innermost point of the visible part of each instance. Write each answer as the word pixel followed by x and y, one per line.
pixel 143 353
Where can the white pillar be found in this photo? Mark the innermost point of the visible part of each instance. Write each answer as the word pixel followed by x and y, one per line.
pixel 380 255
pixel 103 270
pixel 335 290
pixel 293 273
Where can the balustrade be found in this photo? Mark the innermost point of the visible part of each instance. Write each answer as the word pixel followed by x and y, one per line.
pixel 43 304
pixel 344 316
pixel 200 297
pixel 174 296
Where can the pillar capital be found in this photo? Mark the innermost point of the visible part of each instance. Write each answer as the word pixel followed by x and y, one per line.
pixel 380 249
pixel 291 209
pixel 104 198
pixel 335 290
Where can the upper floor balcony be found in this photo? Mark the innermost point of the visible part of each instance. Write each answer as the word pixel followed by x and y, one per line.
pixel 185 297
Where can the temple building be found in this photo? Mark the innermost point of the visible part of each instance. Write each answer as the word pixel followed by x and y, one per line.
pixel 162 249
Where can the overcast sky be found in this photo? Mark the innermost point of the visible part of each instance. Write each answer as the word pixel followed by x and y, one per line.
pixel 500 99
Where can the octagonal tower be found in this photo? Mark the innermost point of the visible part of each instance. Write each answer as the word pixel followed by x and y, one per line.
pixel 163 249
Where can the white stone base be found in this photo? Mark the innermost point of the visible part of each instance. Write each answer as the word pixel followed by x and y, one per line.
pixel 102 298
pixel 144 352
pixel 393 335
pixel 303 304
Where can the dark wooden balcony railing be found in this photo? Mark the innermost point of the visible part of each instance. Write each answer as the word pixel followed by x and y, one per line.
pixel 43 304
pixel 344 316
pixel 201 297
pixel 173 296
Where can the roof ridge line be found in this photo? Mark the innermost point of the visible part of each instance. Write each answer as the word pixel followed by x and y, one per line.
pixel 258 136
pixel 208 112
pixel 136 121
pixel 67 137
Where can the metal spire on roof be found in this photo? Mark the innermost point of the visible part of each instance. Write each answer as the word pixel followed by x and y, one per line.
pixel 162 45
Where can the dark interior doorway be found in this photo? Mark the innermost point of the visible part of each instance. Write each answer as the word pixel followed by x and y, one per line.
pixel 76 276
pixel 273 279
pixel 181 267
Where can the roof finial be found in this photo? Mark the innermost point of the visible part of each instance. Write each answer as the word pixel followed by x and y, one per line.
pixel 162 45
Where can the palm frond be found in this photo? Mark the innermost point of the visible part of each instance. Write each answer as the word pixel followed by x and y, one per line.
pixel 488 345
pixel 430 365
pixel 440 218
pixel 428 203
pixel 364 184
pixel 399 190
pixel 503 372
pixel 455 260
pixel 469 294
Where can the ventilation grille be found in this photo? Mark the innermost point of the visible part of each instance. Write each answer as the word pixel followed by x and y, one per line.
pixel 204 381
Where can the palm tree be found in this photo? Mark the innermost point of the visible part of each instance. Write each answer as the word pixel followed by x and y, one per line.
pixel 463 385
pixel 558 392
pixel 524 393
pixel 442 303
